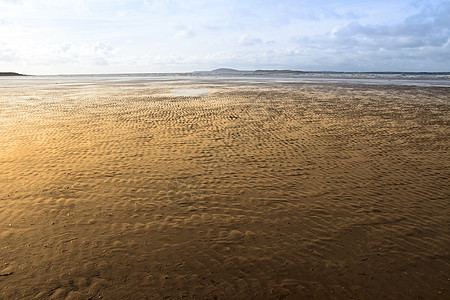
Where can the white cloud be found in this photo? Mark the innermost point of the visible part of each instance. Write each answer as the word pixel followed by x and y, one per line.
pixel 6 54
pixel 418 42
pixel 247 40
pixel 172 35
pixel 185 32
pixel 101 49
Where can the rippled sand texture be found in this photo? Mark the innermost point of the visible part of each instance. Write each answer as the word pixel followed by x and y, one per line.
pixel 118 189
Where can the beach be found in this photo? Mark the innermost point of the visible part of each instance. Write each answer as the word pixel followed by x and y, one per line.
pixel 185 188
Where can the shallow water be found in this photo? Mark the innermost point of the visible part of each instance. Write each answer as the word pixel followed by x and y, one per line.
pixel 409 79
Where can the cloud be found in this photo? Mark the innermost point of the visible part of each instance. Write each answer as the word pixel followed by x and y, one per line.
pixel 158 4
pixel 100 61
pixel 101 49
pixel 291 12
pixel 185 32
pixel 418 42
pixel 430 27
pixel 247 40
pixel 6 54
pixel 173 35
pixel 59 54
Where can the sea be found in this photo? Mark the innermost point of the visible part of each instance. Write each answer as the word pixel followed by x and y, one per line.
pixel 424 79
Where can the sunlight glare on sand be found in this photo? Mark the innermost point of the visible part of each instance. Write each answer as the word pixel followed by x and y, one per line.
pixel 189 92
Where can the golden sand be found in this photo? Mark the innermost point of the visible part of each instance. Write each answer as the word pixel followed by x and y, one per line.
pixel 252 190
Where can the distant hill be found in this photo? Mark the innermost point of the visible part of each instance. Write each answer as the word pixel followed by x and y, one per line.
pixel 219 71
pixel 10 74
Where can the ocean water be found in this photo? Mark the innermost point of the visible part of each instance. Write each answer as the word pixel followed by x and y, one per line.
pixel 374 78
pixel 379 78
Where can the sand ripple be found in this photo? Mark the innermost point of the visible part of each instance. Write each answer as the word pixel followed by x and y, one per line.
pixel 250 191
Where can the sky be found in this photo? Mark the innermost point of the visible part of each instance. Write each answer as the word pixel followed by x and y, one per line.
pixel 143 36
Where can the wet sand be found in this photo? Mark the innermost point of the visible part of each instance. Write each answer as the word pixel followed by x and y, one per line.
pixel 135 189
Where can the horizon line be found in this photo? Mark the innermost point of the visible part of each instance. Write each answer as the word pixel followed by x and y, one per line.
pixel 230 70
